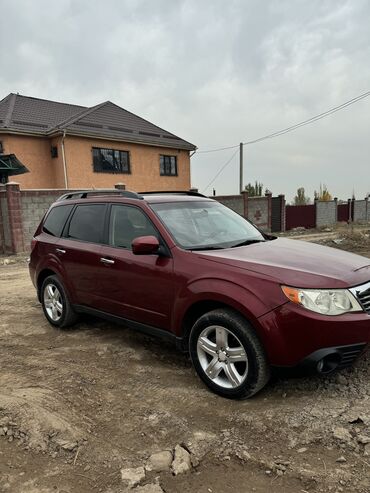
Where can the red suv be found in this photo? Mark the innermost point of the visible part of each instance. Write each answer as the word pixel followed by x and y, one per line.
pixel 184 267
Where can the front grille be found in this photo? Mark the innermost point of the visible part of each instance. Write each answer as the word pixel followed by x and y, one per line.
pixel 364 299
pixel 362 293
pixel 349 354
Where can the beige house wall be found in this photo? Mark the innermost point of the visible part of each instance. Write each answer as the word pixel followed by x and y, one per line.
pixel 144 163
pixel 47 172
pixel 34 153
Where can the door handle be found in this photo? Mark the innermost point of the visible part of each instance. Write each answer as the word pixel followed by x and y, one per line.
pixel 59 250
pixel 107 261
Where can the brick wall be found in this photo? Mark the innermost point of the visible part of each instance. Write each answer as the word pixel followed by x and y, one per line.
pixel 5 241
pixel 34 204
pixel 20 213
pixel 256 209
pixel 259 211
pixel 326 213
pixel 234 202
pixel 360 210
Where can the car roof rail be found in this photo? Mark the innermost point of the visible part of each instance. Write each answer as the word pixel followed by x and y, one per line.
pixel 192 193
pixel 84 194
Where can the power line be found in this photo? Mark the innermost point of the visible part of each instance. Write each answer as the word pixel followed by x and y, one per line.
pixel 296 125
pixel 221 169
pixel 284 131
pixel 310 120
pixel 216 150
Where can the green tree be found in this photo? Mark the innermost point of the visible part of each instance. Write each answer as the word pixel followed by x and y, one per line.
pixel 323 194
pixel 300 198
pixel 254 190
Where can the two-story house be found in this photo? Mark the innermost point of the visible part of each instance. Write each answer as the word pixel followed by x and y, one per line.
pixel 68 146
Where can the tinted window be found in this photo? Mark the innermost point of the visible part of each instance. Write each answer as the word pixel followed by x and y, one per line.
pixel 168 165
pixel 87 223
pixel 111 161
pixel 56 219
pixel 126 224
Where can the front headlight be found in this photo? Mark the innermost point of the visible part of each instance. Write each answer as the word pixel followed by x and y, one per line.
pixel 324 301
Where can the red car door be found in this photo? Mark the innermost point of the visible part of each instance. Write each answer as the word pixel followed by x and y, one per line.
pixel 79 251
pixel 137 287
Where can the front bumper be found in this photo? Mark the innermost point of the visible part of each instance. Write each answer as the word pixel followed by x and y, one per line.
pixel 328 360
pixel 292 335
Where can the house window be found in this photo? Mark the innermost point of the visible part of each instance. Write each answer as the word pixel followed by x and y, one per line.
pixel 54 151
pixel 168 165
pixel 111 161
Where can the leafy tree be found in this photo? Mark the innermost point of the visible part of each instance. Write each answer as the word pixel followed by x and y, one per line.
pixel 254 190
pixel 323 194
pixel 300 198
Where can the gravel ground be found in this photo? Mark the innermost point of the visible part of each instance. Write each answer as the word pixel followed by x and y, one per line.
pixel 104 409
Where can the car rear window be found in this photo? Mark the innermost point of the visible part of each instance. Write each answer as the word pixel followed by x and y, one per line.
pixel 56 219
pixel 87 223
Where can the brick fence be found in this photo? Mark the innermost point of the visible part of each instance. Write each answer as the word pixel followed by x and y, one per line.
pixel 327 213
pixel 256 209
pixel 22 210
pixel 20 213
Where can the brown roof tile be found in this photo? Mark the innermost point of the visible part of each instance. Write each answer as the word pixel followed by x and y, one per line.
pixel 106 120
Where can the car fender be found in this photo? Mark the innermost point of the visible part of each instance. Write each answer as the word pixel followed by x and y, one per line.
pixel 219 290
pixel 53 263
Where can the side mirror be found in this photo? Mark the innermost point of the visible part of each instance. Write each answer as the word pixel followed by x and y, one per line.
pixel 145 245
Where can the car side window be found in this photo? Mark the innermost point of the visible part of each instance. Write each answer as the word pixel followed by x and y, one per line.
pixel 56 219
pixel 127 223
pixel 87 223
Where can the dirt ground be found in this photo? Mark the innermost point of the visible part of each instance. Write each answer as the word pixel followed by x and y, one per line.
pixel 78 406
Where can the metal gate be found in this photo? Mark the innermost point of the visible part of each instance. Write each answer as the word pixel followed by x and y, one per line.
pixel 300 216
pixel 276 205
pixel 343 212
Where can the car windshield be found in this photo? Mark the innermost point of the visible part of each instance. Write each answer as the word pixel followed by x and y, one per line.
pixel 206 225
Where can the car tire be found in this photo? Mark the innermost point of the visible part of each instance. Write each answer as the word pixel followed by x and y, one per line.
pixel 227 354
pixel 55 303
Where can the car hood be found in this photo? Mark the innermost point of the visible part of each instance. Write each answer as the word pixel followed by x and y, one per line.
pixel 297 263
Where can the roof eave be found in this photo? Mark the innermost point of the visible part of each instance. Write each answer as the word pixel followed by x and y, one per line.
pixel 7 130
pixel 49 134
pixel 186 146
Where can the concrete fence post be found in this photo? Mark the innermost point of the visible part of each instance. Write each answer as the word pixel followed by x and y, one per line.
pixel 349 202
pixel 2 233
pixel 336 210
pixel 282 212
pixel 245 203
pixel 353 200
pixel 13 197
pixel 268 195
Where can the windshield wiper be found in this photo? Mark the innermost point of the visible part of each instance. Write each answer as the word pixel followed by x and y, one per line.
pixel 205 248
pixel 247 242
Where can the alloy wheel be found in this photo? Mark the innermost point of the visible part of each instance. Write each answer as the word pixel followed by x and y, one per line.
pixel 53 302
pixel 222 357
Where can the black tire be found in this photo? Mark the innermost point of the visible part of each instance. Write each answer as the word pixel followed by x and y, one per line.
pixel 254 373
pixel 67 316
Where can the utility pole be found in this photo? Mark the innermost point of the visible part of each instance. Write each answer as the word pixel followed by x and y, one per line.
pixel 241 168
